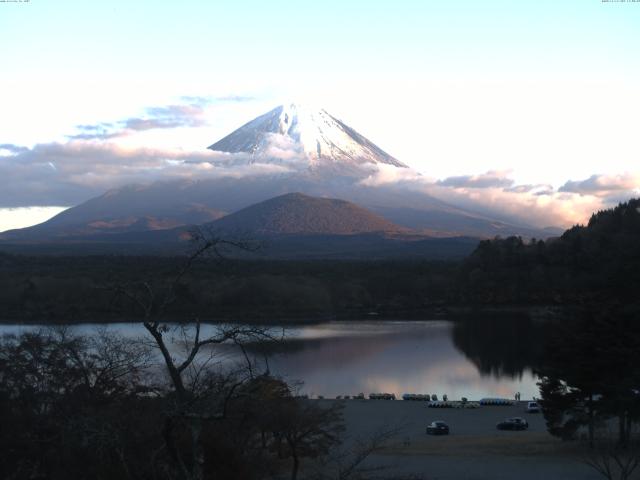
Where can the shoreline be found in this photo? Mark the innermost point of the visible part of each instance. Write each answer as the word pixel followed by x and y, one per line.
pixel 452 313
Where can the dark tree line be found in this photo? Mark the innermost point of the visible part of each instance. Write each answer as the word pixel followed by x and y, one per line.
pixel 68 289
pixel 598 262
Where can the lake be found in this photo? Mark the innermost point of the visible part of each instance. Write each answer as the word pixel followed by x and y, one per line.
pixel 473 359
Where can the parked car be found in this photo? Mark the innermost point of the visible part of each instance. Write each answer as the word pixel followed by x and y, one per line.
pixel 438 428
pixel 514 423
pixel 533 407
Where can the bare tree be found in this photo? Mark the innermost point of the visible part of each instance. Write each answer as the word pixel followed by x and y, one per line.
pixel 152 303
pixel 306 430
pixel 62 394
pixel 186 372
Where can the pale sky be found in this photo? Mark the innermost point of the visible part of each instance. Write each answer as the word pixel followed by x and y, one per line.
pixel 543 93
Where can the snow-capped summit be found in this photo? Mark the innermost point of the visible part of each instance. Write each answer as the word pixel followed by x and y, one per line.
pixel 298 134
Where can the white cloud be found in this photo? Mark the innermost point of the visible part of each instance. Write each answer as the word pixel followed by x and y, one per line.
pixel 83 169
pixel 284 148
pixel 541 210
pixel 11 218
pixel 496 195
pixel 386 174
pixel 603 185
pixel 485 180
pixel 191 115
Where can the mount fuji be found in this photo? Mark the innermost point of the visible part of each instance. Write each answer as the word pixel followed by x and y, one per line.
pixel 313 137
pixel 309 151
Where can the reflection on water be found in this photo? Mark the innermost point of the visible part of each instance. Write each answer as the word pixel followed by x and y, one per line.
pixel 398 357
pixel 439 357
pixel 501 347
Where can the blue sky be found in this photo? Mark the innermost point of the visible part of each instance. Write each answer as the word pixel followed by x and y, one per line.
pixel 182 39
pixel 543 91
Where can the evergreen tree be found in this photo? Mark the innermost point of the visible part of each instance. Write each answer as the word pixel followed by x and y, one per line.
pixel 589 373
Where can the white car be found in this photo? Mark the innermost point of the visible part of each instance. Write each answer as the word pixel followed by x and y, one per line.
pixel 533 407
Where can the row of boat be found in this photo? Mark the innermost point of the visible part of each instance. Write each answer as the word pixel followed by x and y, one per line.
pixel 431 399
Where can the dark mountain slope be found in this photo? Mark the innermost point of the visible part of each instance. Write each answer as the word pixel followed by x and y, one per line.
pixel 296 213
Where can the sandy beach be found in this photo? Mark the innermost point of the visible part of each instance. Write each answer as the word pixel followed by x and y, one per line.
pixel 474 450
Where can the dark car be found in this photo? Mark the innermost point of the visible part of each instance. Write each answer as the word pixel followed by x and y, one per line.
pixel 438 428
pixel 514 423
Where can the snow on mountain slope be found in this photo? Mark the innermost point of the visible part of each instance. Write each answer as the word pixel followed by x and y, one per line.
pixel 305 137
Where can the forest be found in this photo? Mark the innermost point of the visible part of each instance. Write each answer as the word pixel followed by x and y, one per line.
pixel 75 289
pixel 597 262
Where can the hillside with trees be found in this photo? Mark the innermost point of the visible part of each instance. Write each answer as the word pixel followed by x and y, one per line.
pixel 592 264
pixel 596 262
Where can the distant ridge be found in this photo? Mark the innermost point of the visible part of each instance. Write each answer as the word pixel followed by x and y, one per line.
pixel 289 226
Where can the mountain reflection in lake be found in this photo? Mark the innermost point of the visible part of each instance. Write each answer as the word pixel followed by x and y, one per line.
pixel 462 359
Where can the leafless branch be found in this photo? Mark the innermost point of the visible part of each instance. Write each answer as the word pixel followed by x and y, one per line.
pixel 612 461
pixel 347 462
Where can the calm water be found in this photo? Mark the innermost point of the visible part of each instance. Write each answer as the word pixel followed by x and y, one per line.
pixel 470 359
